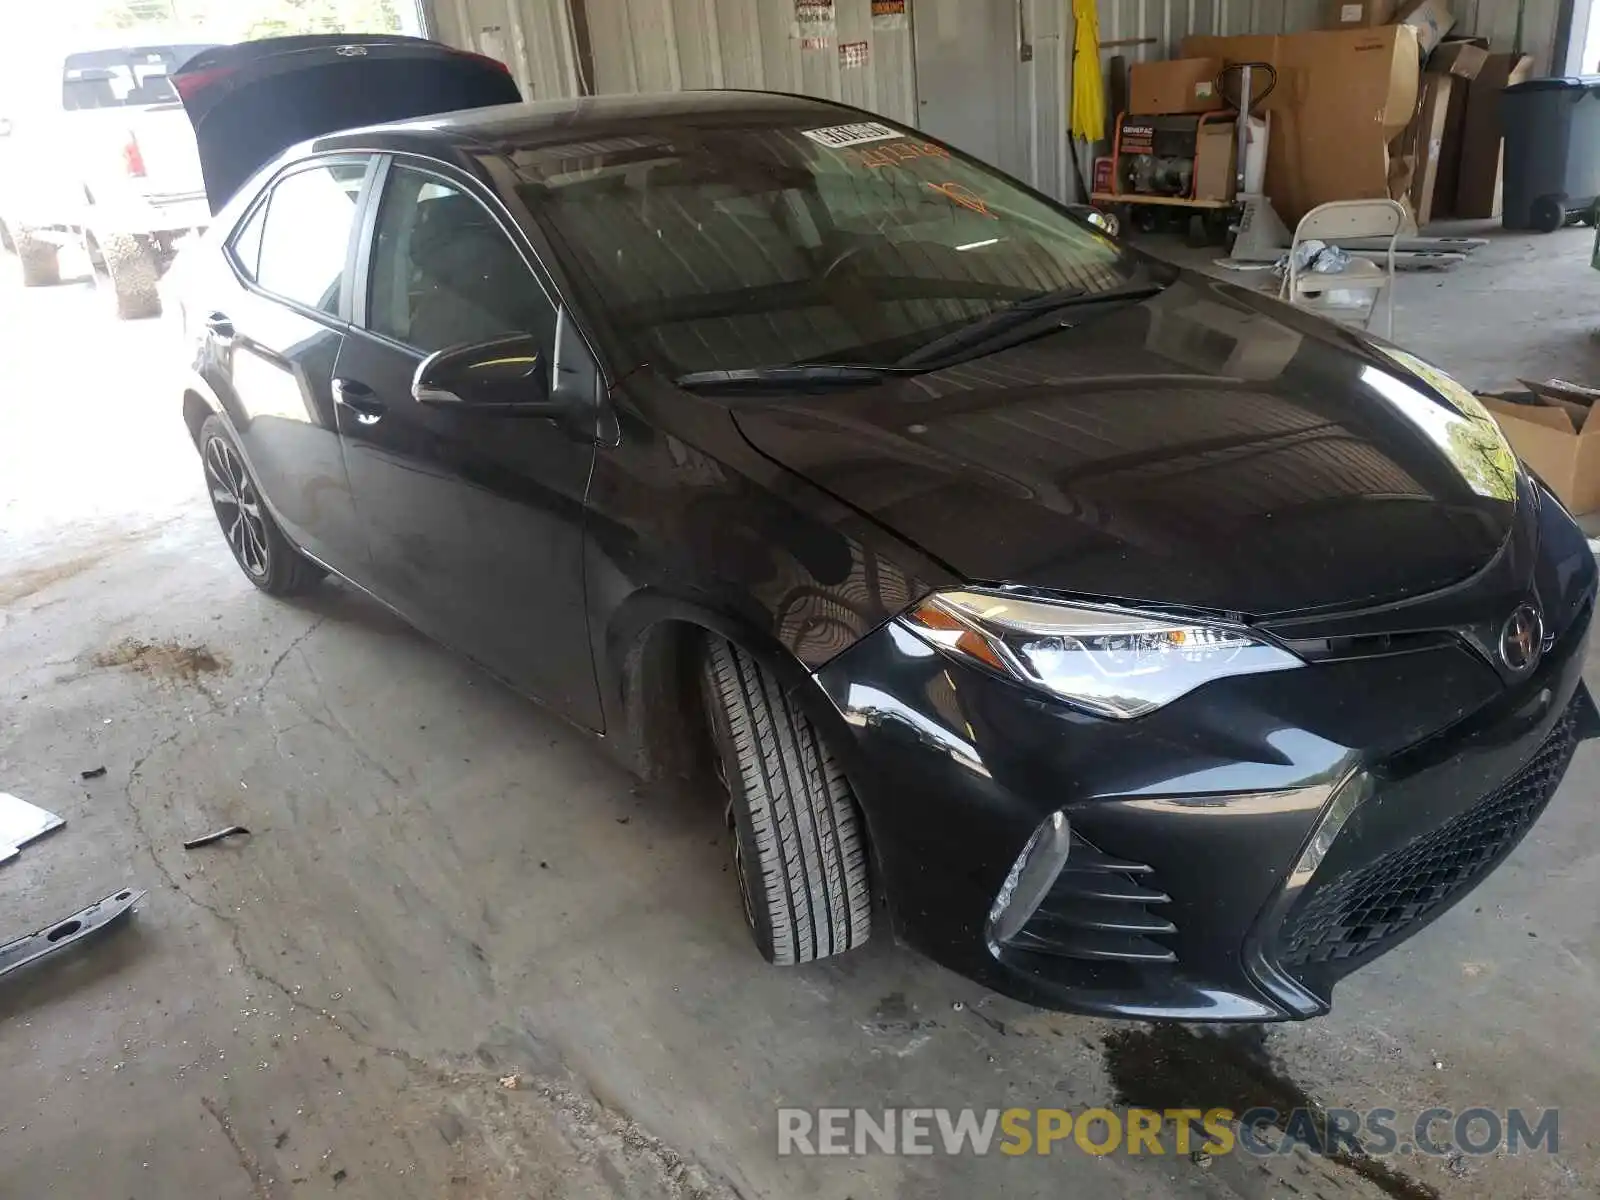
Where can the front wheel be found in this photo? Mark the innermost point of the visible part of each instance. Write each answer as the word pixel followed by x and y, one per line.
pixel 266 557
pixel 799 849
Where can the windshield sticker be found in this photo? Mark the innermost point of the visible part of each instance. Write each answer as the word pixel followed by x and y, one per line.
pixel 837 137
pixel 965 197
pixel 894 153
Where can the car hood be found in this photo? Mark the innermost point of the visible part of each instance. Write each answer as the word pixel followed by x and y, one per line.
pixel 250 102
pixel 1206 448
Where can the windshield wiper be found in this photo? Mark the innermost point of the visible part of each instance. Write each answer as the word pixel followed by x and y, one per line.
pixel 796 377
pixel 994 324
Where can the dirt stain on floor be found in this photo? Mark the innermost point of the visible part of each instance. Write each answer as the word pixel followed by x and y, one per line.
pixel 163 660
pixel 19 585
pixel 1169 1066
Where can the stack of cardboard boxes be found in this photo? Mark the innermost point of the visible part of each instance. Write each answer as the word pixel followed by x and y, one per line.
pixel 1378 104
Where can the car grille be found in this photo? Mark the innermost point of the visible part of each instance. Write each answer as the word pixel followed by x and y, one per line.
pixel 1374 906
pixel 1099 911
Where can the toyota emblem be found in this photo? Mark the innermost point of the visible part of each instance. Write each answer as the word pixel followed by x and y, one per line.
pixel 1522 638
pixel 351 51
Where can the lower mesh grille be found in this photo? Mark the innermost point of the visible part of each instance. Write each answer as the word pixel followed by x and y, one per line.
pixel 1099 910
pixel 1368 907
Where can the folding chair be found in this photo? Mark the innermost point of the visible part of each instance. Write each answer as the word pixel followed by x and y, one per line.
pixel 1347 219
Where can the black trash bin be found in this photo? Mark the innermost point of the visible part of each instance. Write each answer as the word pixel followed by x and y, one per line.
pixel 1552 163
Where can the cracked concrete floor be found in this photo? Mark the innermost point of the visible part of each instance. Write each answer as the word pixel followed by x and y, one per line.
pixel 445 890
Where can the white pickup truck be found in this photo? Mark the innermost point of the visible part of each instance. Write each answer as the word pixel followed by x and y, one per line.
pixel 96 152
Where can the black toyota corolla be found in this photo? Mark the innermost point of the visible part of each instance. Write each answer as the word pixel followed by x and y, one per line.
pixel 1124 640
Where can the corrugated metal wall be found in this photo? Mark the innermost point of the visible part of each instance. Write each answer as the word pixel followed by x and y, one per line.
pixel 662 45
pixel 533 37
pixel 1168 21
pixel 649 45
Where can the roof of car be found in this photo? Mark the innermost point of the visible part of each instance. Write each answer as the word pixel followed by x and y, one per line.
pixel 509 127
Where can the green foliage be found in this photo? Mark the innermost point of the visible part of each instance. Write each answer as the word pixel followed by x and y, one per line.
pixel 250 18
pixel 274 18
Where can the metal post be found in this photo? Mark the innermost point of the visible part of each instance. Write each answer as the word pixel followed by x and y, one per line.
pixel 1241 131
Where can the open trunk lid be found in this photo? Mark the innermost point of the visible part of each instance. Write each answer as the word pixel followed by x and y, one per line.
pixel 251 101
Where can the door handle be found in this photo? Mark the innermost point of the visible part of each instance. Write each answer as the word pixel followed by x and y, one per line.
pixel 220 326
pixel 359 399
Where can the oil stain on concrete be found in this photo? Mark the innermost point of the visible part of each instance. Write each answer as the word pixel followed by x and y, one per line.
pixel 1168 1066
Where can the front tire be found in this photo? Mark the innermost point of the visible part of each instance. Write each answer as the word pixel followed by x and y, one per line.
pixel 799 845
pixel 267 558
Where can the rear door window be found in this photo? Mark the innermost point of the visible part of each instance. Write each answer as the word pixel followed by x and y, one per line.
pixel 306 237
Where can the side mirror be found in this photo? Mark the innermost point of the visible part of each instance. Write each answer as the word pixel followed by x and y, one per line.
pixel 514 376
pixel 509 375
pixel 1104 221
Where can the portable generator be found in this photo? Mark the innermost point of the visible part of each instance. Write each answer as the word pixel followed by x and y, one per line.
pixel 1156 156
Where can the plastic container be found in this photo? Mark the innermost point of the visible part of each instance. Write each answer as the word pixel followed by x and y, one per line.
pixel 1552 151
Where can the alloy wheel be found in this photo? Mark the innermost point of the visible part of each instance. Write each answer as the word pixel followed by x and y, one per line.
pixel 238 507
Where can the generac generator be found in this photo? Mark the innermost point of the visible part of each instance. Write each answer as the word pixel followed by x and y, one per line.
pixel 1158 156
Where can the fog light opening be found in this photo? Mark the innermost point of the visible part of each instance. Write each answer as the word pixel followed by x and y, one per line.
pixel 1030 879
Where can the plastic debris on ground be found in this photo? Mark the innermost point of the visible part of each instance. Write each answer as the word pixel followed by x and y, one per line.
pixel 20 823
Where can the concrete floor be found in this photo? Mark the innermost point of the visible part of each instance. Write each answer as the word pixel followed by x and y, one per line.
pixel 446 891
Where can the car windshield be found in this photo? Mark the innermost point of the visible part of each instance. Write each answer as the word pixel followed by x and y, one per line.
pixel 731 245
pixel 123 78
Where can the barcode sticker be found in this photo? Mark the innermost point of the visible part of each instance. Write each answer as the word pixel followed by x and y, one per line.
pixel 836 137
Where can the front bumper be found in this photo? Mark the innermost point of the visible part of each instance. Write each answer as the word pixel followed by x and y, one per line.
pixel 1233 854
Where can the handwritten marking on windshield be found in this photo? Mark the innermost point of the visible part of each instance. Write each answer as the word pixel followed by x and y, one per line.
pixel 965 197
pixel 895 153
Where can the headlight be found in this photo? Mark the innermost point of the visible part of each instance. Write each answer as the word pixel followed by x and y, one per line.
pixel 1110 661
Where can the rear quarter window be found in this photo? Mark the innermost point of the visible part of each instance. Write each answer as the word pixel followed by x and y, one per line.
pixel 306 236
pixel 246 243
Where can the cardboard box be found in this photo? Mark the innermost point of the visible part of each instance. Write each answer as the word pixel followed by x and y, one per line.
pixel 1342 98
pixel 1478 188
pixel 1215 154
pixel 1178 85
pixel 1356 14
pixel 1431 19
pixel 1426 141
pixel 1463 58
pixel 1553 434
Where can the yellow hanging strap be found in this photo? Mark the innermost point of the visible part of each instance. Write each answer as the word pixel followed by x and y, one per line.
pixel 1088 89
